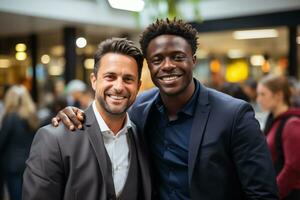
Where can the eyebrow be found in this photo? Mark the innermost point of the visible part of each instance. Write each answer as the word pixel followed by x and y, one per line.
pixel 125 75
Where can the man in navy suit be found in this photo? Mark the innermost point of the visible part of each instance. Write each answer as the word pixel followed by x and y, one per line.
pixel 203 144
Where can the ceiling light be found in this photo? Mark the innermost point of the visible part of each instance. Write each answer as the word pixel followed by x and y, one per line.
pixel 20 47
pixel 21 56
pixel 257 60
pixel 81 42
pixel 45 59
pixel 255 34
pixel 130 5
pixel 235 53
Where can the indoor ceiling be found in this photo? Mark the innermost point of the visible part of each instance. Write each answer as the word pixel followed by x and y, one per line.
pixel 217 43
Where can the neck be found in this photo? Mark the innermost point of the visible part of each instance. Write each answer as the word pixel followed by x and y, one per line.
pixel 114 122
pixel 175 103
pixel 281 108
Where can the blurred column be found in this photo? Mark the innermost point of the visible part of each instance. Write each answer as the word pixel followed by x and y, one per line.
pixel 33 50
pixel 70 53
pixel 293 68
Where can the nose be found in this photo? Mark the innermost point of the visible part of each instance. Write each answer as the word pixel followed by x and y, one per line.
pixel 168 64
pixel 118 85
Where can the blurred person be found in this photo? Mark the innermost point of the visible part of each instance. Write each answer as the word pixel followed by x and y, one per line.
pixel 203 144
pixel 85 99
pixel 74 90
pixel 235 90
pixel 283 138
pixel 104 160
pixel 18 127
pixel 54 107
pixel 249 87
pixel 295 91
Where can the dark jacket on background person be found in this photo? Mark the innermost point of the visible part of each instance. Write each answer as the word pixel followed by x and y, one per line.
pixel 74 165
pixel 15 140
pixel 228 158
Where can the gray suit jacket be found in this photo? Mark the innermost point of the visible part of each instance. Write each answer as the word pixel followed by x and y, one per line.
pixel 71 165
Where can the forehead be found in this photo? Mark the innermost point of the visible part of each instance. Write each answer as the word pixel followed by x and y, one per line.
pixel 168 43
pixel 263 88
pixel 116 62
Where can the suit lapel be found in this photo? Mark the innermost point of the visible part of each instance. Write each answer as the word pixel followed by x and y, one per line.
pixel 143 162
pixel 93 131
pixel 198 128
pixel 146 111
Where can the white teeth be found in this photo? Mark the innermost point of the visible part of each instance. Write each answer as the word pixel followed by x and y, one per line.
pixel 169 78
pixel 116 97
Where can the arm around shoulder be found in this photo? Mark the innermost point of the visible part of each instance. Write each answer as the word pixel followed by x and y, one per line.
pixel 44 175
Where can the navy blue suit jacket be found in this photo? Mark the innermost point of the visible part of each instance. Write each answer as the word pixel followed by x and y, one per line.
pixel 228 155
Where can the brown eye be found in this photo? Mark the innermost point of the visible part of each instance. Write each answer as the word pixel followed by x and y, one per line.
pixel 128 80
pixel 179 57
pixel 109 77
pixel 156 60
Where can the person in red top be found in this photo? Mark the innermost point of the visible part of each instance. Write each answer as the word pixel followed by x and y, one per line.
pixel 283 133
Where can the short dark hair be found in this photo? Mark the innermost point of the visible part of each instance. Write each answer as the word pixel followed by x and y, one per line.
pixel 169 27
pixel 121 46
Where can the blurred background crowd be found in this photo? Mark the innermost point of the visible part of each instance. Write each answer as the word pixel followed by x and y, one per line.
pixel 247 49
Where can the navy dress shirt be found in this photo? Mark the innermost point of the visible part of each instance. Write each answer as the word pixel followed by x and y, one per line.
pixel 169 146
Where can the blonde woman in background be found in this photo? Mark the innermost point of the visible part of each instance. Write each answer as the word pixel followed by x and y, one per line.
pixel 283 133
pixel 19 124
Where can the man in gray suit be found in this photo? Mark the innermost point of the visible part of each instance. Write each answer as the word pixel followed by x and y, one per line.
pixel 105 159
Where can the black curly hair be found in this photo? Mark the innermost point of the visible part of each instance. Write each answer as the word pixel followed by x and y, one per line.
pixel 169 27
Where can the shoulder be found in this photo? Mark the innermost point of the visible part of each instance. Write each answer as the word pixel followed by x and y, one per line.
pixel 147 95
pixel 142 102
pixel 293 124
pixel 226 103
pixel 52 134
pixel 9 117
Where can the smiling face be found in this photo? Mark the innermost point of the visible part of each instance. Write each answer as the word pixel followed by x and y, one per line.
pixel 171 62
pixel 116 84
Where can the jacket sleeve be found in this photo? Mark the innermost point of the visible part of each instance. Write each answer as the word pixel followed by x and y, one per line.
pixel 290 174
pixel 44 175
pixel 252 157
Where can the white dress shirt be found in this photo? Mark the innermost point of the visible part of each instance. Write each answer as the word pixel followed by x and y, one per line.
pixel 117 149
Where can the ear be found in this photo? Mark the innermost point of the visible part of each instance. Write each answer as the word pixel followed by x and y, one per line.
pixel 93 80
pixel 194 61
pixel 139 85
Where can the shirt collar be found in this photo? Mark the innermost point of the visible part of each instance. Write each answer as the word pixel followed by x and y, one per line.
pixel 190 106
pixel 103 126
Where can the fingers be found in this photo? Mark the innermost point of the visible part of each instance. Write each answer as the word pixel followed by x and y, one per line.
pixel 80 115
pixel 65 119
pixel 55 121
pixel 75 116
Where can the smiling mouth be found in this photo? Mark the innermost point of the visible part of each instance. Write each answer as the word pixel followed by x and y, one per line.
pixel 116 97
pixel 169 78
